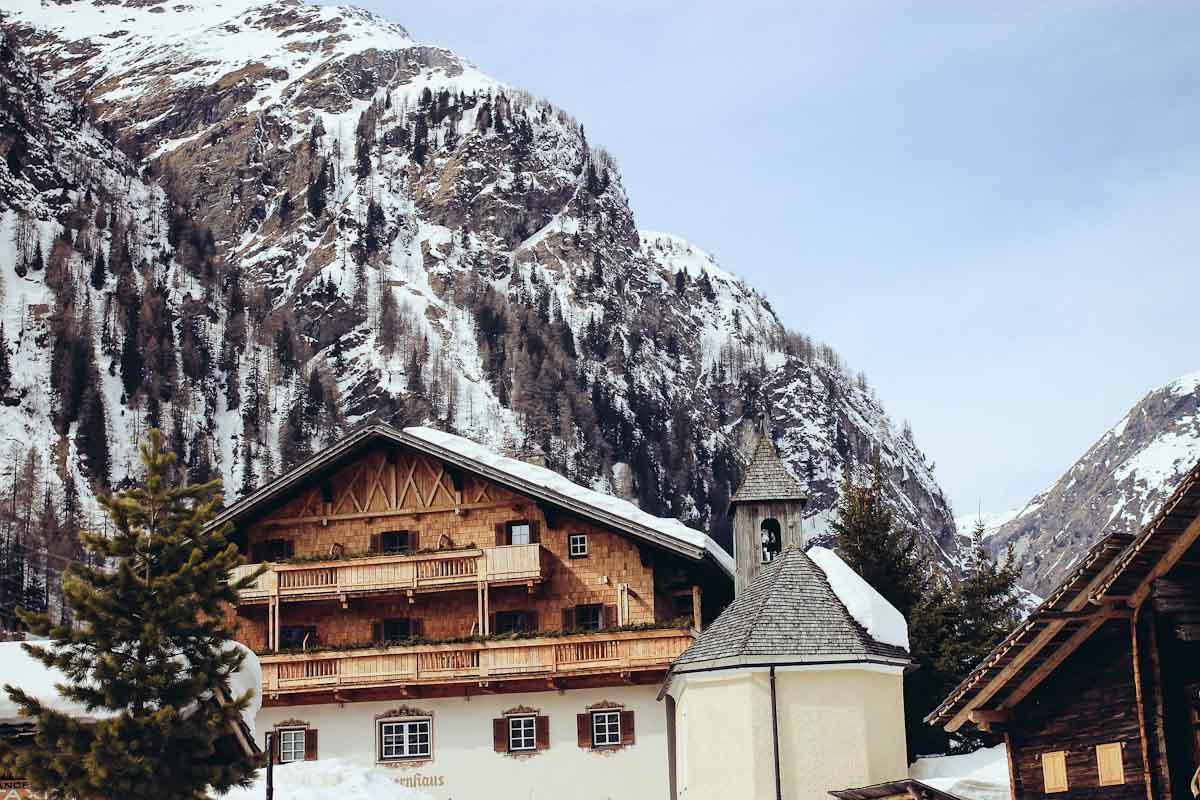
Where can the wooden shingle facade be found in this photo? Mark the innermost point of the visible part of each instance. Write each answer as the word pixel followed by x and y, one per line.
pixel 1097 693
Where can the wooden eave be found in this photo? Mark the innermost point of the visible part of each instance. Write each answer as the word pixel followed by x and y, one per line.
pixel 905 787
pixel 262 500
pixel 1113 578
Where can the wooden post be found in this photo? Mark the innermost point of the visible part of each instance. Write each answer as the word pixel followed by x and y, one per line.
pixel 697 620
pixel 1140 700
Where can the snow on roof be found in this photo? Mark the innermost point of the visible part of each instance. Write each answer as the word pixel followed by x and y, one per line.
pixel 18 668
pixel 328 779
pixel 982 775
pixel 550 480
pixel 868 607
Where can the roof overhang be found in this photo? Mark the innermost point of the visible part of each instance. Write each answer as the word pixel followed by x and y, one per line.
pixel 1110 582
pixel 337 455
pixel 910 787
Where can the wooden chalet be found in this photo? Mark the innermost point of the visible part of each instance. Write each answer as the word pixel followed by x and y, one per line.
pixel 413 563
pixel 1097 693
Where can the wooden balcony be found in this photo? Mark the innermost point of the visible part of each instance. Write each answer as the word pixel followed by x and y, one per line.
pixel 616 652
pixel 438 571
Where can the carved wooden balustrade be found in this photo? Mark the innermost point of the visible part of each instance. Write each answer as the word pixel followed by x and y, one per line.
pixel 510 564
pixel 575 655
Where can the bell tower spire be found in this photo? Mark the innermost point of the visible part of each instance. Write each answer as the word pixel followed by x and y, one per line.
pixel 767 510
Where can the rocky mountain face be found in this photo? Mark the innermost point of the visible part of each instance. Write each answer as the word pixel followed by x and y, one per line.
pixel 1117 486
pixel 257 224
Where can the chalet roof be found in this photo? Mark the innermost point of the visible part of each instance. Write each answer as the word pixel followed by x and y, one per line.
pixel 1114 576
pixel 907 788
pixel 788 614
pixel 541 484
pixel 768 478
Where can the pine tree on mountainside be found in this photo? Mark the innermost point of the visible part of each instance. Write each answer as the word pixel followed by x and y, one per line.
pixel 5 364
pixel 150 643
pixel 99 271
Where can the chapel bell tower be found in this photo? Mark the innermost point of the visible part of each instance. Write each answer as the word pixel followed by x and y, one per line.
pixel 767 512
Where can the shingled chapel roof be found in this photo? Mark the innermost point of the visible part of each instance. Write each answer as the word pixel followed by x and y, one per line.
pixel 790 613
pixel 768 478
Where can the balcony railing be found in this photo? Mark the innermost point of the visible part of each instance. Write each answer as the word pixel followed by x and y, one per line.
pixel 586 653
pixel 425 571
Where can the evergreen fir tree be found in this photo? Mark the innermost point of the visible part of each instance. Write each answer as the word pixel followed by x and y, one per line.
pixel 150 644
pixel 5 364
pixel 99 271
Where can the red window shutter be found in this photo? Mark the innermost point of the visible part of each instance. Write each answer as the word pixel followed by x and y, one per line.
pixel 568 622
pixel 500 735
pixel 502 537
pixel 535 532
pixel 610 617
pixel 377 631
pixel 627 736
pixel 310 744
pixel 542 728
pixel 376 543
pixel 583 729
pixel 531 618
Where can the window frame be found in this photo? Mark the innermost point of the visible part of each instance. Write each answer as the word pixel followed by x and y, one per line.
pixel 612 728
pixel 766 552
pixel 385 550
pixel 579 611
pixel 520 615
pixel 288 735
pixel 394 621
pixel 405 723
pixel 310 630
pixel 572 540
pixel 527 734
pixel 512 531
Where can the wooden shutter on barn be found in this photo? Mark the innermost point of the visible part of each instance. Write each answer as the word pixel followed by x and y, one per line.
pixel 1110 764
pixel 627 737
pixel 500 735
pixel 535 530
pixel 542 728
pixel 1054 771
pixel 609 618
pixel 568 620
pixel 310 744
pixel 376 543
pixel 583 729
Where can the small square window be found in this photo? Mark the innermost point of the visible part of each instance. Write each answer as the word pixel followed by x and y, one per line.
pixel 397 630
pixel 291 745
pixel 577 545
pixel 522 733
pixel 519 533
pixel 590 617
pixel 513 622
pixel 606 728
pixel 395 543
pixel 405 739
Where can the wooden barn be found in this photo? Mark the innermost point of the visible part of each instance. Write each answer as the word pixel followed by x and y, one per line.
pixel 1097 693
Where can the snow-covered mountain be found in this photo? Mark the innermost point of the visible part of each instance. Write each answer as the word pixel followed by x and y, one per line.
pixel 1117 486
pixel 260 223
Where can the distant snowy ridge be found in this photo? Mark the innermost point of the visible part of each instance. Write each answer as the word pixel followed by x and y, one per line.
pixel 1117 486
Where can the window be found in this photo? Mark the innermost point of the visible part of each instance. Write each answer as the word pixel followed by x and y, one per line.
pixel 405 739
pixel 1054 771
pixel 395 543
pixel 514 622
pixel 273 550
pixel 1110 764
pixel 772 541
pixel 577 545
pixel 522 733
pixel 291 745
pixel 297 637
pixel 397 630
pixel 519 533
pixel 606 728
pixel 590 617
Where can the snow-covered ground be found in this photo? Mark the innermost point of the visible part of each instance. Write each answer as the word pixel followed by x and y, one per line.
pixel 328 779
pixel 982 775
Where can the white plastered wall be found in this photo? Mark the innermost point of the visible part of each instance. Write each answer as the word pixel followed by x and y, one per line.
pixel 465 766
pixel 838 728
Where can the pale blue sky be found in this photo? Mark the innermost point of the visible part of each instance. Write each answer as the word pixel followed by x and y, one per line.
pixel 990 208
